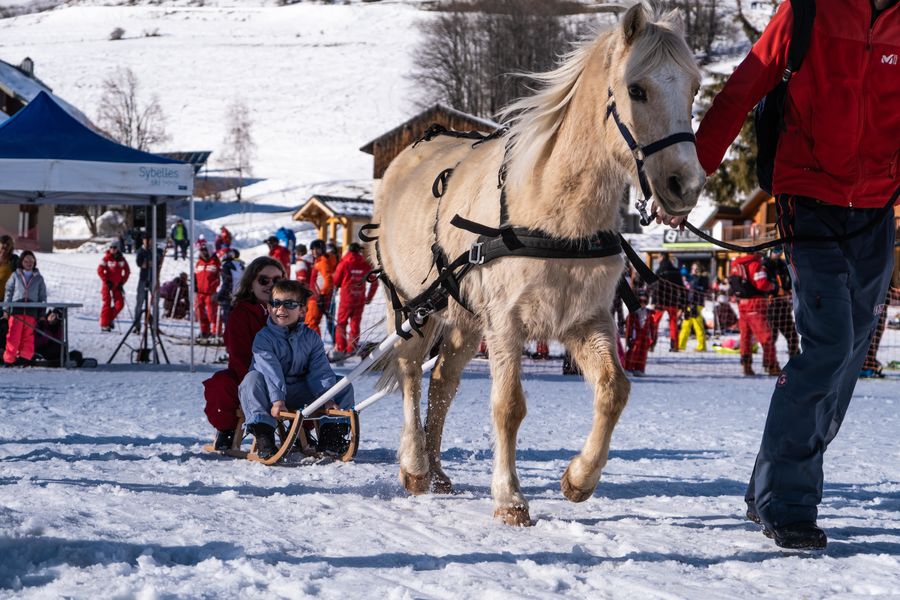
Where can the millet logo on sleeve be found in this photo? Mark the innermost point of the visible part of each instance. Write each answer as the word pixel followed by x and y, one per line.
pixel 889 59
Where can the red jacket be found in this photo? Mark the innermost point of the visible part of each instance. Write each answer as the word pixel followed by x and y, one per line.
pixel 282 255
pixel 221 390
pixel 350 276
pixel 842 142
pixel 114 268
pixel 754 271
pixel 207 273
pixel 244 322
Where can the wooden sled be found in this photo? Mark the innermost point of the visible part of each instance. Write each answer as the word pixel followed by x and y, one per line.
pixel 292 437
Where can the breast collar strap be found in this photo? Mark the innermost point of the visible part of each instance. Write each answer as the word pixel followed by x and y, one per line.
pixel 640 153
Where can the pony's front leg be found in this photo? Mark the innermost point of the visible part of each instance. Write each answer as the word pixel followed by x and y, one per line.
pixel 594 349
pixel 456 350
pixel 414 473
pixel 508 410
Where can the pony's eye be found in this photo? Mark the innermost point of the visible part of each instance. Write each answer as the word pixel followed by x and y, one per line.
pixel 637 93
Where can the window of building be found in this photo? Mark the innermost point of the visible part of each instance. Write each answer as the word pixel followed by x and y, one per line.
pixel 28 222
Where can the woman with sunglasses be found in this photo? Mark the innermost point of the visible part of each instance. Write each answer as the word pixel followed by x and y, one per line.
pixel 247 317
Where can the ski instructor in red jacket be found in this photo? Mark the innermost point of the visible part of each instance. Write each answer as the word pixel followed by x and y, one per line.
pixel 113 271
pixel 835 167
pixel 350 276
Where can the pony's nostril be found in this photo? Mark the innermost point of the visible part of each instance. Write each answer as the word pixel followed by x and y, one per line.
pixel 674 185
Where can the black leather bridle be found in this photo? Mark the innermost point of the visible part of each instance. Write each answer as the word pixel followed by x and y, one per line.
pixel 640 153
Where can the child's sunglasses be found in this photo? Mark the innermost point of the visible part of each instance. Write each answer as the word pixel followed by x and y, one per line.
pixel 288 304
pixel 263 280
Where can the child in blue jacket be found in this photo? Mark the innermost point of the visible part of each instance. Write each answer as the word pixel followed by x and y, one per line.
pixel 289 369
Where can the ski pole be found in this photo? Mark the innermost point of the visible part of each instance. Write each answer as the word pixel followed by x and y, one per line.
pixel 382 393
pixel 175 303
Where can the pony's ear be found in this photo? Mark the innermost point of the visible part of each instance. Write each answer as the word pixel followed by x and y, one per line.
pixel 633 23
pixel 675 18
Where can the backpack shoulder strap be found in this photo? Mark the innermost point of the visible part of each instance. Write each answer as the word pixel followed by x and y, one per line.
pixel 801 32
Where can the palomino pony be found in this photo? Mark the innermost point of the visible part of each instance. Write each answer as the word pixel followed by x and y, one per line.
pixel 566 167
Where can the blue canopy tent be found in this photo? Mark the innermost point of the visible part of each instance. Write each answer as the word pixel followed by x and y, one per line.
pixel 47 156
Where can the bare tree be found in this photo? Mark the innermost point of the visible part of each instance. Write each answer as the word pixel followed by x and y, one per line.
pixel 703 23
pixel 471 54
pixel 238 145
pixel 750 30
pixel 125 118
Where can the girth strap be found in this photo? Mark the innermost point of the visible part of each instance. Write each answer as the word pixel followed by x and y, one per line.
pixel 537 244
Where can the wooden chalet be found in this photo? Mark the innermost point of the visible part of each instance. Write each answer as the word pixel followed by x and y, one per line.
pixel 388 145
pixel 328 213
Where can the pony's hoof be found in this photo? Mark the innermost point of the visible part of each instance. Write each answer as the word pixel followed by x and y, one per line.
pixel 517 516
pixel 415 484
pixel 572 493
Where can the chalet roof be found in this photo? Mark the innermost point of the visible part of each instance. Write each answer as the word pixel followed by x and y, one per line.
pixel 16 83
pixel 753 202
pixel 479 122
pixel 337 206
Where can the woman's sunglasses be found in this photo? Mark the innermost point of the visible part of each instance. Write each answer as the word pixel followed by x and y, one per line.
pixel 263 280
pixel 288 304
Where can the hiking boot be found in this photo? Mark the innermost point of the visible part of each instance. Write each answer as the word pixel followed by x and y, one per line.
pixel 751 512
pixel 773 370
pixel 224 439
pixel 747 364
pixel 798 536
pixel 333 437
pixel 337 356
pixel 265 440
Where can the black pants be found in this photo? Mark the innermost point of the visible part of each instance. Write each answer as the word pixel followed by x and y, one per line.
pixel 837 287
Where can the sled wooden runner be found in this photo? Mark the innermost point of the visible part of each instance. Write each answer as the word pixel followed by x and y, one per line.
pixel 291 437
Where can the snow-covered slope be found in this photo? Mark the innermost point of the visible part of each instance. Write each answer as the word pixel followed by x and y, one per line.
pixel 320 80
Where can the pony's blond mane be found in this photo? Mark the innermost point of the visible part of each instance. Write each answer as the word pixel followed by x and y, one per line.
pixel 535 119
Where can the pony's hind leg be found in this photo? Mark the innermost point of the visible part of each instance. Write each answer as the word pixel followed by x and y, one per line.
pixel 410 354
pixel 594 348
pixel 457 348
pixel 508 409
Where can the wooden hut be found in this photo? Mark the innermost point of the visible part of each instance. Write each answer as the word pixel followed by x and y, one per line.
pixel 388 145
pixel 328 213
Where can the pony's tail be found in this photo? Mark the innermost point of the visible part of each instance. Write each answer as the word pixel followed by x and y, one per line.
pixel 415 348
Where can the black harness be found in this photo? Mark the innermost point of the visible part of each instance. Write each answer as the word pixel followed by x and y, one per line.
pixel 506 240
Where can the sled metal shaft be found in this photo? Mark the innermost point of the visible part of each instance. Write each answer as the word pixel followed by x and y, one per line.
pixel 382 393
pixel 386 345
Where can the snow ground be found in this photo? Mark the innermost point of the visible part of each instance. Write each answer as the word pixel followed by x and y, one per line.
pixel 105 493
